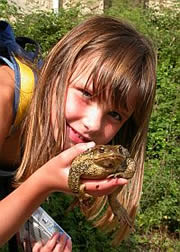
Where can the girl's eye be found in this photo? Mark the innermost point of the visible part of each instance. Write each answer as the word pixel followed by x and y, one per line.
pixel 86 93
pixel 115 115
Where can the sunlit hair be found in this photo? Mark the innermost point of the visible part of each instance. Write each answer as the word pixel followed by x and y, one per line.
pixel 125 60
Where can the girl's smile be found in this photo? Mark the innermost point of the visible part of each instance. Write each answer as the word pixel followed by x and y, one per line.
pixel 74 136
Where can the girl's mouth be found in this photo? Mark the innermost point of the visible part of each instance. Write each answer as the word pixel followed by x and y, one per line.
pixel 76 137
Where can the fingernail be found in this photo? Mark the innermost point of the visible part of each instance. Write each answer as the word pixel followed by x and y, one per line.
pixel 40 243
pixel 90 144
pixel 121 181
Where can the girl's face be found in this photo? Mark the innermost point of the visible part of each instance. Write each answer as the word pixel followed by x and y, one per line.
pixel 87 118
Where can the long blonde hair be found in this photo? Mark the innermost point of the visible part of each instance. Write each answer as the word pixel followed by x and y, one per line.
pixel 126 59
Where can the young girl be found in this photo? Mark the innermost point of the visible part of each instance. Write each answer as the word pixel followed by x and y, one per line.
pixel 97 86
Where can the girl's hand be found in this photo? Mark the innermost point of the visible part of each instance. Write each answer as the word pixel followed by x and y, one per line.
pixel 58 243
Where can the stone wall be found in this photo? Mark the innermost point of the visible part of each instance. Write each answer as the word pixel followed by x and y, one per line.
pixel 87 6
pixel 28 5
pixel 163 3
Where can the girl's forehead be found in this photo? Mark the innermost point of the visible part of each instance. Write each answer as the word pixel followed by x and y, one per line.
pixel 83 69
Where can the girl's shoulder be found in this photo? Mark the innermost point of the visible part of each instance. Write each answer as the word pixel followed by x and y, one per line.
pixel 6 102
pixel 6 74
pixel 8 142
pixel 6 84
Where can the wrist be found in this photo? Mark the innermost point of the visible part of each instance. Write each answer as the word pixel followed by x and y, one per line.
pixel 52 177
pixel 34 190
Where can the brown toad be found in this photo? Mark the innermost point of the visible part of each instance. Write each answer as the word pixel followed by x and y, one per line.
pixel 99 162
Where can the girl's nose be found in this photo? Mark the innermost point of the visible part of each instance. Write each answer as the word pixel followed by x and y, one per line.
pixel 93 119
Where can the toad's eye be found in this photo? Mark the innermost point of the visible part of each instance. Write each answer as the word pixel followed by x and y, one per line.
pixel 101 149
pixel 115 115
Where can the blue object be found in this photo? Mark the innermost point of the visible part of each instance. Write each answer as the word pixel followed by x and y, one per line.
pixel 17 45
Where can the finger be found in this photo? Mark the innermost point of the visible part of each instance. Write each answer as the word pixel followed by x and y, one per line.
pixel 68 155
pixel 51 243
pixel 60 246
pixel 27 245
pixel 37 246
pixel 68 247
pixel 103 187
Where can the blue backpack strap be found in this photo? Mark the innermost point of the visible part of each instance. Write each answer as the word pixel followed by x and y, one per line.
pixel 14 66
pixel 8 62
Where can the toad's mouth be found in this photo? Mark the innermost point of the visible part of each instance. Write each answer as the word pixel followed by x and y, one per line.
pixel 109 160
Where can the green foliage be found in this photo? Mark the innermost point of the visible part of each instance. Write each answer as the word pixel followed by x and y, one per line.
pixel 45 27
pixel 157 225
pixel 8 11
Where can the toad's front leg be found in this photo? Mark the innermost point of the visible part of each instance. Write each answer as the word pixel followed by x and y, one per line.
pixel 75 185
pixel 74 181
pixel 131 168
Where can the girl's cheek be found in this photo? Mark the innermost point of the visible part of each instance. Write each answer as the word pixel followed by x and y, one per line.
pixel 110 132
pixel 74 106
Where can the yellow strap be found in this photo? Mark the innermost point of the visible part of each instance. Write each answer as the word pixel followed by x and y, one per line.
pixel 26 90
